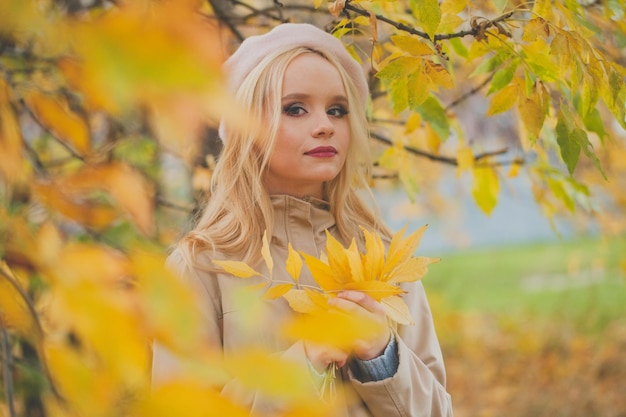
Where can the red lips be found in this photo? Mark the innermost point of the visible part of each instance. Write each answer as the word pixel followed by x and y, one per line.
pixel 322 152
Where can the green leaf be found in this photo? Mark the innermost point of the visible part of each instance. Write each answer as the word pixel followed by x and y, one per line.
pixel 593 122
pixel 503 77
pixel 399 68
pixel 428 13
pixel 559 191
pixel 432 111
pixel 569 146
pixel 459 47
pixel 487 66
pixel 412 45
pixel 399 95
pixel 417 88
pixel 500 4
pixel 583 140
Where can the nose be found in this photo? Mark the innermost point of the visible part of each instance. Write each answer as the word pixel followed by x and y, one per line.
pixel 323 127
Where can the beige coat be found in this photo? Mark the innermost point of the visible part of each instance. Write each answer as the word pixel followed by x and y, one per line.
pixel 418 387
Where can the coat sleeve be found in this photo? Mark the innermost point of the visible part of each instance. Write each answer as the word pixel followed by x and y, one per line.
pixel 418 387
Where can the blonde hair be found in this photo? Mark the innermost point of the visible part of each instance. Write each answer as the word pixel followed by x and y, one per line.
pixel 239 209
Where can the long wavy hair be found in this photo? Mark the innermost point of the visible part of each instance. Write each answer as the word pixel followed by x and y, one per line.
pixel 238 209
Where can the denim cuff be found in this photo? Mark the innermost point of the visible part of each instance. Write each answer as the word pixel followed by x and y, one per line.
pixel 379 368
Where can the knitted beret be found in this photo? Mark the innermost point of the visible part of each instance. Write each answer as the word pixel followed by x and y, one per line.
pixel 284 37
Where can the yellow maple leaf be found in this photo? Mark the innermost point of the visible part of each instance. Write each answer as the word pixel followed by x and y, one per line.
pixel 332 327
pixel 412 269
pixel 374 256
pixel 272 375
pixel 277 291
pixel 397 310
pixel 237 268
pixel 186 397
pixel 299 301
pixel 400 250
pixel 294 263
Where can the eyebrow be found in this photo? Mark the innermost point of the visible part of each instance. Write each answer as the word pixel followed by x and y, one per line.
pixel 302 96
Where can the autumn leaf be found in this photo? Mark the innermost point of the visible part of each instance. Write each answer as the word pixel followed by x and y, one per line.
pixel 503 100
pixel 237 268
pixel 293 264
pixel 277 291
pixel 16 309
pixel 90 214
pixel 374 256
pixel 536 27
pixel 397 310
pixel 12 167
pixel 74 377
pixel 186 397
pixel 412 269
pixel 375 289
pixel 400 250
pixel 464 158
pixel 336 7
pixel 412 45
pixel 300 301
pixel 54 113
pixel 485 188
pixel 428 13
pixel 271 375
pixel 532 115
pixel 438 74
pixel 332 327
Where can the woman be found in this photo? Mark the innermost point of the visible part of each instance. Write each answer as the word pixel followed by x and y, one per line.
pixel 295 172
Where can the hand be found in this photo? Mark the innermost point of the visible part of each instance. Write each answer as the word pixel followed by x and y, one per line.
pixel 358 302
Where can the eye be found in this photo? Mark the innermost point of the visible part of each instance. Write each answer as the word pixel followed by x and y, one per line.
pixel 337 111
pixel 294 110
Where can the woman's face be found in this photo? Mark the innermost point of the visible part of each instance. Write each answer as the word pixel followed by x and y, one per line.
pixel 314 133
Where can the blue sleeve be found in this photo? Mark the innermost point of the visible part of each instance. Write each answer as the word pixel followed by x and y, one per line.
pixel 379 368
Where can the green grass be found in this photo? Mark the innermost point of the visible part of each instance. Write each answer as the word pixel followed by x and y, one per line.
pixel 577 280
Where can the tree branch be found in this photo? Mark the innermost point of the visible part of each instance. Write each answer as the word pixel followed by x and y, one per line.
pixel 224 18
pixel 475 31
pixel 449 160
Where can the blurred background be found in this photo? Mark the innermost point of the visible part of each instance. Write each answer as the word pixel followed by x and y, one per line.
pixel 531 316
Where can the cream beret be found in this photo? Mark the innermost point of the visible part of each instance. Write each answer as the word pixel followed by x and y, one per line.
pixel 284 37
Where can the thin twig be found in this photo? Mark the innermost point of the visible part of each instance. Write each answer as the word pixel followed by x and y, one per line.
pixel 470 93
pixel 38 327
pixel 7 359
pixel 222 17
pixel 414 151
pixel 170 204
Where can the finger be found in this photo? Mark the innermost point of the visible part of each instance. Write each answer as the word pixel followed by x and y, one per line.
pixel 362 299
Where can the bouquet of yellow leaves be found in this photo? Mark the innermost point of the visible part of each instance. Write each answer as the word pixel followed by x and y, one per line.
pixel 376 272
